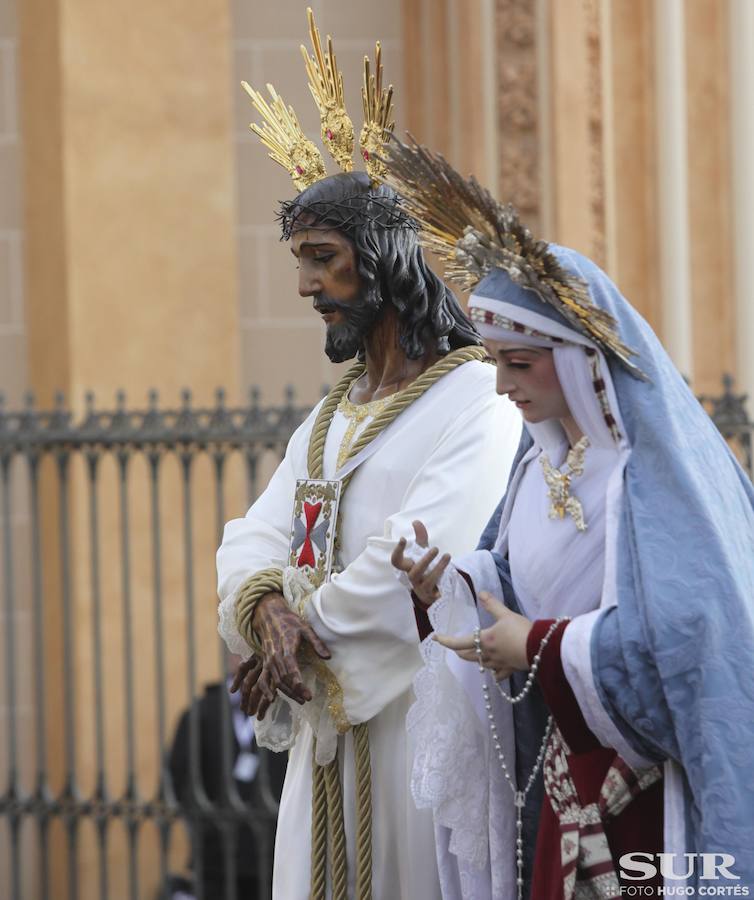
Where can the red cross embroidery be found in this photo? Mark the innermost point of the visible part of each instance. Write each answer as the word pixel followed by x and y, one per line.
pixel 311 511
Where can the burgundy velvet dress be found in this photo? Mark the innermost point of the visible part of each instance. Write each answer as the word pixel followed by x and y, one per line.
pixel 624 806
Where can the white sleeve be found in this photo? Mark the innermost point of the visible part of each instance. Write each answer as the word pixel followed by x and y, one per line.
pixel 261 538
pixel 365 614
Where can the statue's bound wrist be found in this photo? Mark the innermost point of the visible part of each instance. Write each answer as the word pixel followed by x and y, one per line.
pixel 270 598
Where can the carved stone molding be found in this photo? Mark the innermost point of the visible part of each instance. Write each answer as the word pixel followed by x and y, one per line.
pixel 596 131
pixel 518 99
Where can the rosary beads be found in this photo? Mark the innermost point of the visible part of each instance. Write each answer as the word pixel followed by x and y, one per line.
pixel 519 796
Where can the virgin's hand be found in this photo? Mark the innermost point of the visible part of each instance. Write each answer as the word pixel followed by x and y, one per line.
pixel 503 644
pixel 282 635
pixel 423 579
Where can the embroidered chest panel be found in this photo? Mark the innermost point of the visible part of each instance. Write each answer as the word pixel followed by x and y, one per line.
pixel 315 514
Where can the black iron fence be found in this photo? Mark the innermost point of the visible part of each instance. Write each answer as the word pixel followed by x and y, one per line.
pixel 109 524
pixel 122 770
pixel 729 412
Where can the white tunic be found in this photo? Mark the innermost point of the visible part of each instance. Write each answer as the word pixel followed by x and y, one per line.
pixel 444 461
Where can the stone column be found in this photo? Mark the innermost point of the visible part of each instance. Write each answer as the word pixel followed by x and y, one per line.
pixel 12 334
pixel 710 194
pixel 742 125
pixel 632 177
pixel 672 151
pixel 451 82
pixel 130 262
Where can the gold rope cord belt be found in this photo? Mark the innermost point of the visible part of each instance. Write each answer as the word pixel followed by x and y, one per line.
pixel 327 799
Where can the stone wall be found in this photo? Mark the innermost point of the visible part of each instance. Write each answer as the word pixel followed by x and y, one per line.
pixel 13 372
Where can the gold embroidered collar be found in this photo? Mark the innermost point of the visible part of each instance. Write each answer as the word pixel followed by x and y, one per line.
pixel 356 413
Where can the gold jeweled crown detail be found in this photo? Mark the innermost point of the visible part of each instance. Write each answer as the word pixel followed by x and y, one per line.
pixel 283 136
pixel 378 117
pixel 326 85
pixel 472 233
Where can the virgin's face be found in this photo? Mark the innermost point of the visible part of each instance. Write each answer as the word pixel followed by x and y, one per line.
pixel 527 375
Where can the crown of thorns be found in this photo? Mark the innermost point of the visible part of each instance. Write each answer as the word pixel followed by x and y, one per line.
pixel 346 214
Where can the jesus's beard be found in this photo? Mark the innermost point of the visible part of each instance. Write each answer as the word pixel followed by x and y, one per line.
pixel 345 339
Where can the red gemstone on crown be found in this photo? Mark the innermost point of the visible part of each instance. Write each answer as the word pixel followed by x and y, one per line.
pixel 329 134
pixel 365 154
pixel 299 170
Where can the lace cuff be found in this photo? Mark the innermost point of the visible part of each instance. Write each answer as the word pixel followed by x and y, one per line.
pixel 324 713
pixel 446 732
pixel 455 773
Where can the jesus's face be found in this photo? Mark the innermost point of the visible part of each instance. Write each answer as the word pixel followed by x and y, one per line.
pixel 328 272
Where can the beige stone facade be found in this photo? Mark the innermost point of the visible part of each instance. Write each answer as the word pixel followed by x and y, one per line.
pixel 12 320
pixel 130 162
pixel 614 134
pixel 138 246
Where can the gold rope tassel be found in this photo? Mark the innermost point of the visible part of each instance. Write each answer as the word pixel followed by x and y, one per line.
pixel 319 832
pixel 337 835
pixel 363 812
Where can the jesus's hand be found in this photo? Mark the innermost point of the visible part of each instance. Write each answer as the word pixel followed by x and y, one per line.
pixel 503 644
pixel 423 578
pixel 282 634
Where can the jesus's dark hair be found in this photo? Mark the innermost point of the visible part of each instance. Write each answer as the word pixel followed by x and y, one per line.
pixel 390 260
